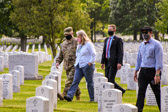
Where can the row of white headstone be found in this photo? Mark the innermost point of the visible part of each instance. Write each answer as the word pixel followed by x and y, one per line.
pixel 126 75
pixel 30 61
pixel 42 56
pixel 11 82
pixel 108 98
pixel 46 95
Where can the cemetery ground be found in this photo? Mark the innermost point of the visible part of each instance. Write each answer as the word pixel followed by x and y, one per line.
pixel 18 103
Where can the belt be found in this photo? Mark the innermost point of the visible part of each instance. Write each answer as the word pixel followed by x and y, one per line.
pixel 108 59
pixel 147 68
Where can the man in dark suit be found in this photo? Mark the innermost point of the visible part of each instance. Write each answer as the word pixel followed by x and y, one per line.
pixel 112 56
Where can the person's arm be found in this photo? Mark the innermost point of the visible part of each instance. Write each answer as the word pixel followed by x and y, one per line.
pixel 103 54
pixel 159 61
pixel 59 59
pixel 138 64
pixel 92 52
pixel 120 53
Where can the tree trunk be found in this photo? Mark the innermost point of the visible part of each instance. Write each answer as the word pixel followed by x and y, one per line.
pixel 52 44
pixel 103 31
pixel 94 31
pixel 163 36
pixel 141 38
pixel 44 40
pixel 135 35
pixel 156 35
pixel 91 28
pixel 23 43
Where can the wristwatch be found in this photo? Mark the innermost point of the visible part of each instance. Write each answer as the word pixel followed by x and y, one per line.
pixel 157 74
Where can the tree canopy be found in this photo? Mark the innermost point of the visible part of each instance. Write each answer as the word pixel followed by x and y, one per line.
pixel 131 15
pixel 162 19
pixel 49 18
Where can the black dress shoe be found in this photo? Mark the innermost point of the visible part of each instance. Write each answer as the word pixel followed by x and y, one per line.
pixel 91 101
pixel 123 91
pixel 67 98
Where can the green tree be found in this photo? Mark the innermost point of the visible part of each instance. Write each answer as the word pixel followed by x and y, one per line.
pixel 48 18
pixel 131 15
pixel 99 11
pixel 22 17
pixel 162 20
pixel 6 26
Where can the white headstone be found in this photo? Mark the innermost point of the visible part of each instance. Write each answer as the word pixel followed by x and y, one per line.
pixel 164 76
pixel 54 64
pixel 150 97
pixel 52 83
pixel 53 68
pixel 98 75
pixel 39 47
pixel 118 73
pixel 1 63
pixel 47 92
pixel 110 97
pixel 41 57
pixel 123 76
pixel 45 47
pixel 37 104
pixel 1 92
pixel 6 60
pixel 95 71
pixel 21 70
pixel 33 46
pixel 16 80
pixel 56 78
pixel 164 99
pixel 97 81
pixel 8 48
pixel 27 48
pixel 28 61
pixel 7 86
pixel 101 88
pixel 131 84
pixel 57 73
pixel 124 108
pixel 14 48
pixel 19 49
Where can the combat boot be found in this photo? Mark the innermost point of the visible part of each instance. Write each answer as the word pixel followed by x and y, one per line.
pixel 78 98
pixel 60 96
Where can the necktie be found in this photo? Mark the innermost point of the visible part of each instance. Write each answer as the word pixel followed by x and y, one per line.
pixel 108 45
pixel 146 42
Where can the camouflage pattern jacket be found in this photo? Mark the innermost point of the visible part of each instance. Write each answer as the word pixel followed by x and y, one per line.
pixel 68 53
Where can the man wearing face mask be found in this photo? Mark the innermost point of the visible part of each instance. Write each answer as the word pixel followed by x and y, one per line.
pixel 150 63
pixel 67 53
pixel 112 57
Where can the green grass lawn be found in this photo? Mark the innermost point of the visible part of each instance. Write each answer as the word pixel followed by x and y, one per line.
pixel 18 103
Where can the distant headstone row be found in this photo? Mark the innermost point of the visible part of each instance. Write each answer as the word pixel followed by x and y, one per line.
pixel 35 58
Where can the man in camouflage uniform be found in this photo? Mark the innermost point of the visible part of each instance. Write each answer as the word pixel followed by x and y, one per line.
pixel 68 54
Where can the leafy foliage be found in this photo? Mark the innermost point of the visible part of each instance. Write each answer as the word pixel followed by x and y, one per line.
pixel 162 19
pixel 131 15
pixel 49 18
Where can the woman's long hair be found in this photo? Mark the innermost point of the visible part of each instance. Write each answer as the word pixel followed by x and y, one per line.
pixel 84 36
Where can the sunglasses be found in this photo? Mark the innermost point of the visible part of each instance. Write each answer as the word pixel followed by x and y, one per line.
pixel 144 32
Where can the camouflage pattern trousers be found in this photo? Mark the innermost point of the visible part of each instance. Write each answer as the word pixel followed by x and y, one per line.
pixel 68 82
